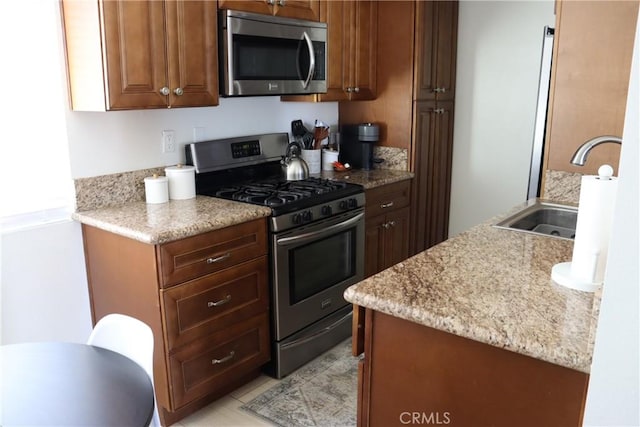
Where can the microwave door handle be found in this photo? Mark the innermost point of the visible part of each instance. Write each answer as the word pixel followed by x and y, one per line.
pixel 287 241
pixel 312 59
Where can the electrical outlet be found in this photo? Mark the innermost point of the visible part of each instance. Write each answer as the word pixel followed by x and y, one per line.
pixel 168 141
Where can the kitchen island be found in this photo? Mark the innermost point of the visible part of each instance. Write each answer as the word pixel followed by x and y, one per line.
pixel 474 332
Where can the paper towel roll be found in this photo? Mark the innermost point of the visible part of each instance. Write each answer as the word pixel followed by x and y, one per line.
pixel 593 229
pixel 182 182
pixel 156 189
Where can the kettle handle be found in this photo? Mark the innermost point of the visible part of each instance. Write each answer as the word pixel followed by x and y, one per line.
pixel 293 144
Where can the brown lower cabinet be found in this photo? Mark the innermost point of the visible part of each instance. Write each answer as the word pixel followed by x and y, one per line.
pixel 413 374
pixel 386 226
pixel 205 298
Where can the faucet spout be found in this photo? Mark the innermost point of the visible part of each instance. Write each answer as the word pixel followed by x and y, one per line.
pixel 580 156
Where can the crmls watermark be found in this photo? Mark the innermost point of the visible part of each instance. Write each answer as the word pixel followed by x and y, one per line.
pixel 428 418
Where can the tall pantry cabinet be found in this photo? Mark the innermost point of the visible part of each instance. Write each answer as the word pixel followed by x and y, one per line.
pixel 416 70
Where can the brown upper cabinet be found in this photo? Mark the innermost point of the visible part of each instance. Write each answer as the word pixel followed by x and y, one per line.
pixel 589 80
pixel 436 41
pixel 124 55
pixel 300 9
pixel 351 67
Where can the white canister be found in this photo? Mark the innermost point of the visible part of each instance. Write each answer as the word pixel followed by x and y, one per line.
pixel 313 159
pixel 328 157
pixel 182 182
pixel 156 189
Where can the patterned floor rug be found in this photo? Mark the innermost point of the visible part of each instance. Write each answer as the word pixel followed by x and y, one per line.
pixel 321 393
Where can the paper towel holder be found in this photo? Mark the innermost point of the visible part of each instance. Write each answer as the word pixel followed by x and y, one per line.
pixel 562 273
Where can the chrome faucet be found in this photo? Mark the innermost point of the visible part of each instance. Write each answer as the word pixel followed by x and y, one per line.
pixel 580 156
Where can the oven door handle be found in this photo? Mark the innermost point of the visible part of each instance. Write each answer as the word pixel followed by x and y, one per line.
pixel 286 241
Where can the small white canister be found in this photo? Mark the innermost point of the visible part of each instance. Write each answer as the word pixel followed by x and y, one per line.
pixel 156 189
pixel 182 182
pixel 328 157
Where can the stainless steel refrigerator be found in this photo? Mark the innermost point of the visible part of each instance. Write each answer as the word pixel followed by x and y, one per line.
pixel 537 151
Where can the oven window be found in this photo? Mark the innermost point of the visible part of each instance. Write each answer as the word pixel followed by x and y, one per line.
pixel 266 58
pixel 321 264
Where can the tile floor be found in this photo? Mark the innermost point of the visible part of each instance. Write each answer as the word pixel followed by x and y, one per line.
pixel 226 412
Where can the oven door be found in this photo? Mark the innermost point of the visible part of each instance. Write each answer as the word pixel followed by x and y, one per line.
pixel 313 266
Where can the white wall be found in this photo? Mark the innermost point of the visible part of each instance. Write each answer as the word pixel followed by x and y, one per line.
pixel 613 398
pixel 498 64
pixel 120 141
pixel 44 290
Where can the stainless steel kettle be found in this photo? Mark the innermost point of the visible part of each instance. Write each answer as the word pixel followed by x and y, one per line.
pixel 293 167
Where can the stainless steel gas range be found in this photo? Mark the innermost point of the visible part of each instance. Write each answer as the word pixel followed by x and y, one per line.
pixel 316 240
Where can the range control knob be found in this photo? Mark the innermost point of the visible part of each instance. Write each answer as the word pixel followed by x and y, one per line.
pixel 307 216
pixel 296 218
pixel 343 205
pixel 353 203
pixel 326 210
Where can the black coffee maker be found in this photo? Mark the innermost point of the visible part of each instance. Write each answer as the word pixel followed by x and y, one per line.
pixel 356 144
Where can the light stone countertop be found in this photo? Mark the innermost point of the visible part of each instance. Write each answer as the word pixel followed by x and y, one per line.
pixel 176 219
pixel 123 212
pixel 368 179
pixel 493 286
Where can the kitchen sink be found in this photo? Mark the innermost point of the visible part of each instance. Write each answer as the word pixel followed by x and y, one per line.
pixel 543 218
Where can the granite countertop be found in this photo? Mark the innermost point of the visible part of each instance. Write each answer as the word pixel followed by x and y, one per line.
pixel 369 179
pixel 177 219
pixel 493 286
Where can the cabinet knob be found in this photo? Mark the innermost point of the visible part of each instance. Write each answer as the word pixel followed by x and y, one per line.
pixel 178 91
pixel 440 90
pixel 271 2
pixel 349 89
pixel 282 3
pixel 164 91
pixel 356 89
pixel 385 225
pixel 386 205
pixel 392 223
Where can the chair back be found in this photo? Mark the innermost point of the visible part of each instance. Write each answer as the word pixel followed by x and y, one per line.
pixel 131 338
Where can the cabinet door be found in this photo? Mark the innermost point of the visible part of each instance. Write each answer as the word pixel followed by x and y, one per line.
pixel 192 52
pixel 396 239
pixel 300 9
pixel 436 40
pixel 336 14
pixel 433 149
pixel 590 77
pixel 363 48
pixel 135 56
pixel 374 245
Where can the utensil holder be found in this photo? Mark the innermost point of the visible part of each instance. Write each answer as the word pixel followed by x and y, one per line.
pixel 313 159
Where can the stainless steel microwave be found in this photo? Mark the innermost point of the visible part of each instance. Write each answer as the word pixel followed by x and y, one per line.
pixel 269 55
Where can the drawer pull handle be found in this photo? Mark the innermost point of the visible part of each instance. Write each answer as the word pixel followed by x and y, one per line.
pixel 218 259
pixel 386 205
pixel 224 359
pixel 219 303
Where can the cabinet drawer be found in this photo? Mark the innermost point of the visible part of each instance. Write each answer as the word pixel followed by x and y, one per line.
pixel 204 366
pixel 387 197
pixel 216 301
pixel 206 253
